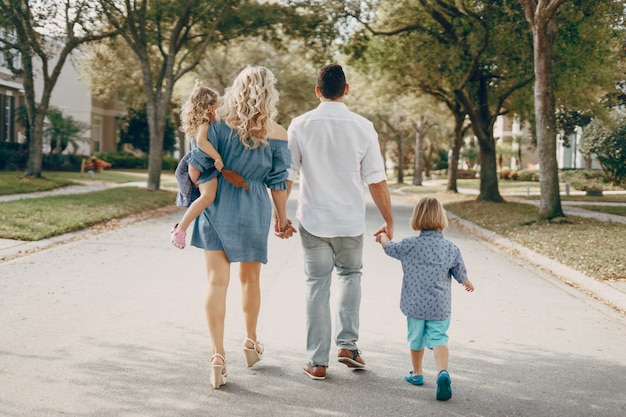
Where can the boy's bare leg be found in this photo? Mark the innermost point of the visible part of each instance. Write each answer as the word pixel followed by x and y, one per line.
pixel 207 196
pixel 441 357
pixel 416 359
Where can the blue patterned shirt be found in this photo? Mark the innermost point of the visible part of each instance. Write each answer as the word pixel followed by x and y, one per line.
pixel 428 262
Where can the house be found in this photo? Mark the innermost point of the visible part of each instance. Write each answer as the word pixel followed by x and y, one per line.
pixel 74 98
pixel 11 97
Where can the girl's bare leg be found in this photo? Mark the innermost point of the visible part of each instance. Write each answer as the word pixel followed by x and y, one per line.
pixel 218 277
pixel 208 190
pixel 249 275
pixel 194 173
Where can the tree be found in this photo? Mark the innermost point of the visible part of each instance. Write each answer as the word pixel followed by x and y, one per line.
pixel 44 34
pixel 608 142
pixel 542 19
pixel 170 38
pixel 469 55
pixel 600 16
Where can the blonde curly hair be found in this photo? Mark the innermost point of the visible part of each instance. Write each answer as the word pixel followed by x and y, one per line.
pixel 197 109
pixel 249 105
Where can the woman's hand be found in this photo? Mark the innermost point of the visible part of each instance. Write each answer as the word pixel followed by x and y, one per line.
pixel 283 229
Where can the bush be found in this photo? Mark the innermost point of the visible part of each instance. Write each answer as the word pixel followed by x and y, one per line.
pixel 528 175
pixel 582 175
pixel 61 162
pixel 589 185
pixel 121 160
pixel 13 156
pixel 126 160
pixel 465 174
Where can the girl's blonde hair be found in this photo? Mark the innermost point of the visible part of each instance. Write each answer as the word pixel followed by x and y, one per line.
pixel 249 105
pixel 429 214
pixel 197 109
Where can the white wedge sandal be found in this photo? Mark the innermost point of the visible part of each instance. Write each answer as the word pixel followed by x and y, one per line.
pixel 253 354
pixel 218 376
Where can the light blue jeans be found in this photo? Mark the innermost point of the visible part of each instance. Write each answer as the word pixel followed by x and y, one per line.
pixel 321 255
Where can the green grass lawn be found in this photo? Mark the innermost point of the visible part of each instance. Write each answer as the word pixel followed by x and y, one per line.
pixel 40 218
pixel 592 247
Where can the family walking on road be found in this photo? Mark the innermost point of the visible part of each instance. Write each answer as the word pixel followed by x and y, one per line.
pixel 333 151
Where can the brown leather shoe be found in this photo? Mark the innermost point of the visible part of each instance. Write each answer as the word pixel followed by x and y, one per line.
pixel 315 371
pixel 351 358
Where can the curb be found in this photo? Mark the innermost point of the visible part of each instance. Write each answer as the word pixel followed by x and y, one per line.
pixel 612 297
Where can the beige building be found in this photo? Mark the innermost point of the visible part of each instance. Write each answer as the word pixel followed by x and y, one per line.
pixel 11 97
pixel 74 98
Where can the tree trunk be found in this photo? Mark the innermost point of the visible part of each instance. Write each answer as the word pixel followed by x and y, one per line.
pixel 156 122
pixel 483 129
pixel 400 159
pixel 457 144
pixel 421 128
pixel 418 162
pixel 35 145
pixel 550 203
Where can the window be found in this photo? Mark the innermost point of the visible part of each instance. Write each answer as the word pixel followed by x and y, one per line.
pixel 96 134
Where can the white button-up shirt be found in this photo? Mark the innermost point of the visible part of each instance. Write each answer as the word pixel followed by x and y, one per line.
pixel 336 152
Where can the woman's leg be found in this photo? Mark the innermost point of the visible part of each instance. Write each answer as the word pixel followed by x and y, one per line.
pixel 249 274
pixel 218 276
pixel 207 196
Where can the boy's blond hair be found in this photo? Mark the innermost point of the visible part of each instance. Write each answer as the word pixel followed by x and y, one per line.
pixel 429 214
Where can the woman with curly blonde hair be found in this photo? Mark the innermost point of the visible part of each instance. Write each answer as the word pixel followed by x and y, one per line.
pixel 235 227
pixel 199 167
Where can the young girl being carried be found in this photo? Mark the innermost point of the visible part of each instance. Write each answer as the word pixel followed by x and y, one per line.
pixel 199 167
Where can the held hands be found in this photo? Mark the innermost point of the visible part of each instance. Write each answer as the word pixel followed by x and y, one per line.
pixel 382 238
pixel 384 234
pixel 285 229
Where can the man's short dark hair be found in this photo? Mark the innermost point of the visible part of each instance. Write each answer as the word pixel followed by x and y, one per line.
pixel 331 81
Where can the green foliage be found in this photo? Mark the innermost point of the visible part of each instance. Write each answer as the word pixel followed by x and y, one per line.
pixel 61 162
pixel 63 130
pixel 608 142
pixel 528 175
pixel 135 131
pixel 13 156
pixel 125 160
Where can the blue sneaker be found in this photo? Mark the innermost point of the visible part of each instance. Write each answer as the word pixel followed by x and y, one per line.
pixel 414 379
pixel 444 390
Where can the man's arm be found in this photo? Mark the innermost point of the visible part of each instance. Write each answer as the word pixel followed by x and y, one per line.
pixel 380 195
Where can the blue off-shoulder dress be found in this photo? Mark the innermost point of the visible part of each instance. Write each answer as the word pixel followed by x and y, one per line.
pixel 238 221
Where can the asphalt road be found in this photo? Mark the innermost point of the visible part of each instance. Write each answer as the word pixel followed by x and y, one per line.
pixel 113 325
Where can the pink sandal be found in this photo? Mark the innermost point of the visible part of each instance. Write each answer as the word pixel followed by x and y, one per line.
pixel 178 237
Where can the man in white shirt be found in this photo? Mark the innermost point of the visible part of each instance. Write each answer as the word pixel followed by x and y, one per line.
pixel 336 153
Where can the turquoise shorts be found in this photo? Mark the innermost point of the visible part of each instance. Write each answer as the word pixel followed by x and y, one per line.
pixel 427 333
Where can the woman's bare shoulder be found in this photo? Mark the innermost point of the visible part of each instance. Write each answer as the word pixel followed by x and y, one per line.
pixel 277 132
